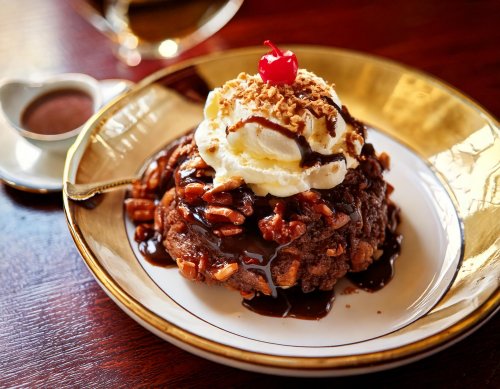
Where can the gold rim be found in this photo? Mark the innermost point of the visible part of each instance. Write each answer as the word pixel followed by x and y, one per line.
pixel 28 189
pixel 137 309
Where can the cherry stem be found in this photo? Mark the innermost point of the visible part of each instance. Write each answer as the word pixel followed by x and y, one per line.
pixel 276 51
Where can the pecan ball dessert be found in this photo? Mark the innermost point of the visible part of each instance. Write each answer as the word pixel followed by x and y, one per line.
pixel 276 188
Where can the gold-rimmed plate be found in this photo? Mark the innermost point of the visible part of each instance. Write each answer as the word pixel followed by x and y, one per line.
pixel 444 151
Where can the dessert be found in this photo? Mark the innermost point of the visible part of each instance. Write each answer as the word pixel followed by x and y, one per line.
pixel 275 189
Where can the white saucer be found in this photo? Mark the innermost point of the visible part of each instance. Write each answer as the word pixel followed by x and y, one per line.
pixel 29 168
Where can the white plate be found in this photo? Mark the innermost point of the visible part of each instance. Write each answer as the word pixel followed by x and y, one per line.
pixel 30 168
pixel 443 289
pixel 431 253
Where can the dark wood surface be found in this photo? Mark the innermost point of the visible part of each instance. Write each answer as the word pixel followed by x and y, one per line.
pixel 59 329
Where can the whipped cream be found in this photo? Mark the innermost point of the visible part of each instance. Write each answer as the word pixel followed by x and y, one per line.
pixel 260 132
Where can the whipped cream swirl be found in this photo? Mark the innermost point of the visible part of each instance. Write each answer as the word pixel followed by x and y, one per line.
pixel 261 132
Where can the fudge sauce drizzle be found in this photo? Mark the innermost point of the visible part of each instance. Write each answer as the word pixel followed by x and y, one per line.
pixel 292 302
pixel 346 115
pixel 308 156
pixel 247 249
pixel 381 271
pixel 150 244
pixel 154 251
pixel 330 124
pixel 253 252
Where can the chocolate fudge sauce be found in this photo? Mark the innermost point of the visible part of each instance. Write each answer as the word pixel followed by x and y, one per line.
pixel 308 156
pixel 154 251
pixel 248 249
pixel 292 302
pixel 57 112
pixel 381 271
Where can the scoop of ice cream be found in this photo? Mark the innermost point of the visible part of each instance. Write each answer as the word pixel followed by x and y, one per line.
pixel 281 139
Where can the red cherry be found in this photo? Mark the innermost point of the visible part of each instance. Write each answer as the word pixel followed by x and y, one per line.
pixel 278 67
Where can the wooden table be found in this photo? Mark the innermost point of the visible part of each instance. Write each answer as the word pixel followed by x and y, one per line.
pixel 58 328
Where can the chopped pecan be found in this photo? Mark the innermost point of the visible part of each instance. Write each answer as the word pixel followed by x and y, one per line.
pixel 159 218
pixel 140 190
pixel 218 214
pixel 290 250
pixel 222 198
pixel 351 139
pixel 181 150
pixel 184 211
pixel 143 231
pixel 214 145
pixel 247 295
pixel 193 191
pixel 323 209
pixel 290 277
pixel 263 285
pixel 274 227
pixel 385 160
pixel 168 197
pixel 318 269
pixel 195 162
pixel 202 264
pixel 232 183
pixel 335 252
pixel 152 179
pixel 187 268
pixel 361 255
pixel 244 204
pixel 310 196
pixel 228 230
pixel 140 210
pixel 203 173
pixel 339 220
pixel 225 272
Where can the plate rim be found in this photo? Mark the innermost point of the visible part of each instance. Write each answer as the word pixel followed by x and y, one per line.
pixel 411 351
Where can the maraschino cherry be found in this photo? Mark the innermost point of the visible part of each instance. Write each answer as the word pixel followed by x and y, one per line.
pixel 278 67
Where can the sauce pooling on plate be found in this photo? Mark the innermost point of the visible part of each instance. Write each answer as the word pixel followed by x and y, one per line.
pixel 292 302
pixel 57 112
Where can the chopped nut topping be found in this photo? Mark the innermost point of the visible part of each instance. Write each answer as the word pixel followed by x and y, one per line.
pixel 168 197
pixel 339 220
pixel 193 191
pixel 335 252
pixel 214 146
pixel 274 227
pixel 290 277
pixel 228 230
pixel 187 268
pixel 385 160
pixel 351 139
pixel 349 290
pixel 227 271
pixel 140 210
pixel 287 103
pixel 361 255
pixel 216 214
pixel 232 183
pixel 247 295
